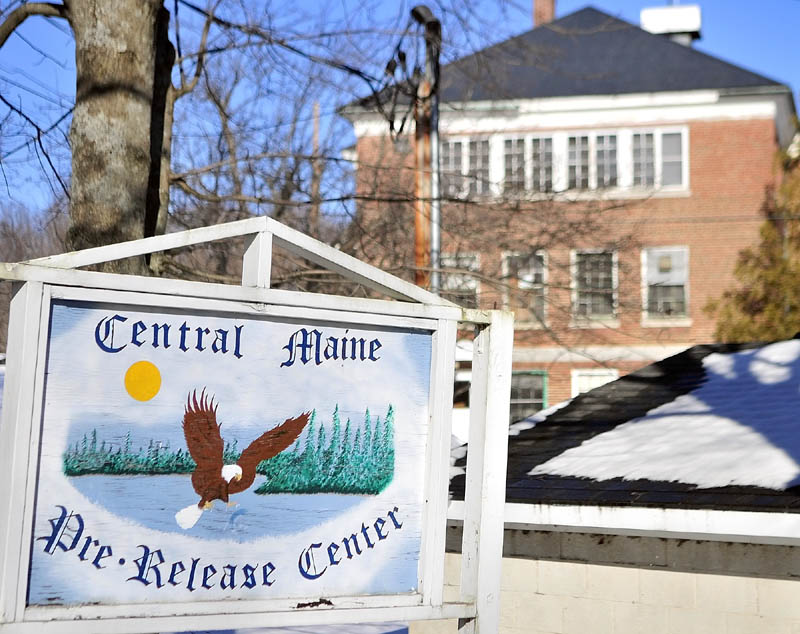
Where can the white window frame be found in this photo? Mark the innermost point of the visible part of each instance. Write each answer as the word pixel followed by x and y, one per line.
pixel 588 321
pixel 658 158
pixel 464 140
pixel 560 167
pixel 505 270
pixel 577 373
pixel 656 321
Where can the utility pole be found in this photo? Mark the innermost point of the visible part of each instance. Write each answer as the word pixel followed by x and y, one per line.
pixel 427 234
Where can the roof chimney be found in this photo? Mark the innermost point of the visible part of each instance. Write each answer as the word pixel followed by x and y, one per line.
pixel 680 23
pixel 543 11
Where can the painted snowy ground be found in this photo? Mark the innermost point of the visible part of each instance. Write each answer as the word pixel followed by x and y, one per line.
pixel 741 427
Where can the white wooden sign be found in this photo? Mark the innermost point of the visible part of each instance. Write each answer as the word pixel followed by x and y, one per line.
pixel 184 456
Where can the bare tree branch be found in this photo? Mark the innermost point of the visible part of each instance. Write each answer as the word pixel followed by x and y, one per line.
pixel 24 11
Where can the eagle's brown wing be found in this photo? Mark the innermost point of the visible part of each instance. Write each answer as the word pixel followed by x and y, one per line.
pixel 267 445
pixel 203 440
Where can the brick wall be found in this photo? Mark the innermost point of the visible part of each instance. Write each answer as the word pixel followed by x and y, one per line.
pixel 732 171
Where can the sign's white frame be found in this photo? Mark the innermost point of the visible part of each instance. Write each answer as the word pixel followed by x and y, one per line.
pixel 38 282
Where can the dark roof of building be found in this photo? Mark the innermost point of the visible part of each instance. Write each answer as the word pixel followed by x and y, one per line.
pixel 589 52
pixel 713 428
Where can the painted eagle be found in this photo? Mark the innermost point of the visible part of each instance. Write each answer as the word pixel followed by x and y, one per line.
pixel 212 479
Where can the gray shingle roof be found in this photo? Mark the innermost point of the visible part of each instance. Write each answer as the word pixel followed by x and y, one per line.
pixel 748 394
pixel 589 53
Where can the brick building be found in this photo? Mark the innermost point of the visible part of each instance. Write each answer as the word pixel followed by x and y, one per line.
pixel 598 178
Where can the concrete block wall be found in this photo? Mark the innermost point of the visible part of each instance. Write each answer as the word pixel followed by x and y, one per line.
pixel 580 583
pixel 567 597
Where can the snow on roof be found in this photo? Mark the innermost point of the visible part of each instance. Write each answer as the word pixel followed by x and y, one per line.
pixel 738 428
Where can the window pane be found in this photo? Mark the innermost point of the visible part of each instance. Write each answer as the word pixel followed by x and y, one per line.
pixel 478 173
pixel 450 162
pixel 666 301
pixel 667 270
pixel 514 154
pixel 671 145
pixel 527 395
pixel 578 162
pixel 459 287
pixel 606 157
pixel 643 160
pixel 525 286
pixel 542 163
pixel 671 174
pixel 594 285
pixel 671 159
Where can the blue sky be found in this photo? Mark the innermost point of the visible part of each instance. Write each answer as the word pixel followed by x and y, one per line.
pixel 760 36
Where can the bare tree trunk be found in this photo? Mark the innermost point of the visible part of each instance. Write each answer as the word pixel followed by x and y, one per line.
pixel 111 135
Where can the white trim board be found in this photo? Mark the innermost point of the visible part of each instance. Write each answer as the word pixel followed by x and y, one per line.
pixel 589 111
pixel 730 526
pixel 554 354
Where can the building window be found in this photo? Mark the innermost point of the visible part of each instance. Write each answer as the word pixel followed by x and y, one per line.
pixel 478 172
pixel 459 283
pixel 451 168
pixel 671 159
pixel 595 285
pixel 464 167
pixel 514 174
pixel 525 285
pixel 606 157
pixel 542 164
pixel 585 380
pixel 644 168
pixel 666 277
pixel 528 394
pixel 578 162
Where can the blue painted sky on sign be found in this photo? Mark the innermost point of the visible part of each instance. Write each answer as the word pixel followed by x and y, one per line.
pixel 271 391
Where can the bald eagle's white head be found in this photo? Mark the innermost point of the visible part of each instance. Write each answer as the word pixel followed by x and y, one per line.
pixel 230 472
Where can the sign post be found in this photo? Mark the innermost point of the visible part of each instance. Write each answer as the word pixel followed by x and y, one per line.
pixel 180 455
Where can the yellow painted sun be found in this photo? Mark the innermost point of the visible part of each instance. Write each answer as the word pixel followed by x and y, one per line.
pixel 143 380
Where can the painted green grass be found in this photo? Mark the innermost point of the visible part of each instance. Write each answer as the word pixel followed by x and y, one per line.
pixel 356 458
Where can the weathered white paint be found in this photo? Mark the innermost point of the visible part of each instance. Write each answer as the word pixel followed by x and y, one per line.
pixel 257 261
pixel 42 623
pixel 27 305
pixel 183 288
pixel 482 544
pixel 244 308
pixel 729 526
pixel 438 458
